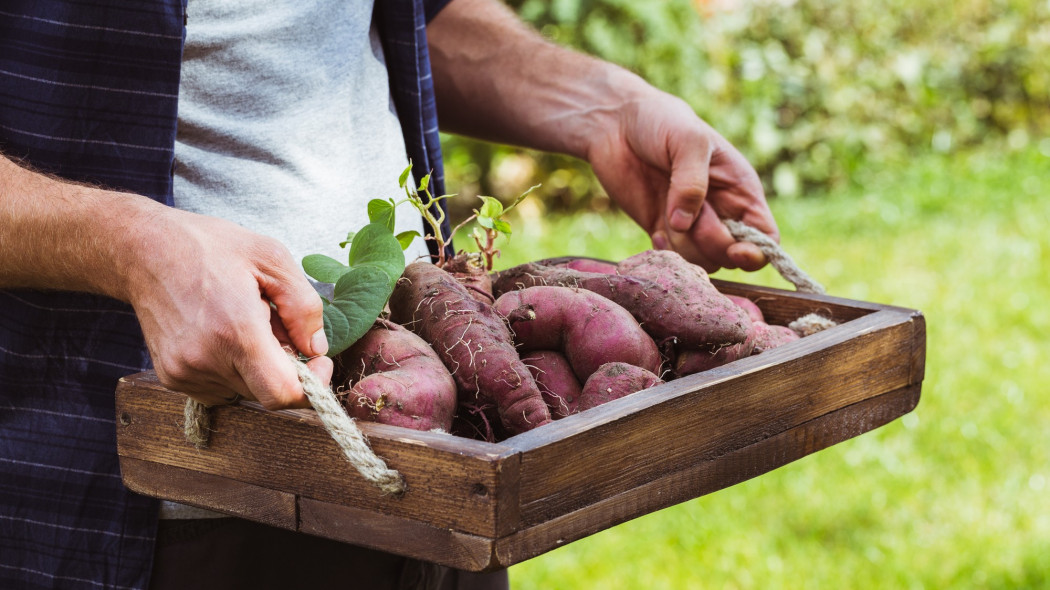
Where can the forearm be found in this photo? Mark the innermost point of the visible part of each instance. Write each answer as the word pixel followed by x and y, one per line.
pixel 498 80
pixel 61 235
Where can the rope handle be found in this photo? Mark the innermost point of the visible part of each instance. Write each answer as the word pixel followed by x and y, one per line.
pixel 776 255
pixel 808 324
pixel 339 424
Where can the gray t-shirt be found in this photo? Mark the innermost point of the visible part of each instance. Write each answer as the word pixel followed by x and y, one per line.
pixel 286 124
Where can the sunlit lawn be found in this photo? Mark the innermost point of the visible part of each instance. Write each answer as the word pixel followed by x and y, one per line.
pixel 955 494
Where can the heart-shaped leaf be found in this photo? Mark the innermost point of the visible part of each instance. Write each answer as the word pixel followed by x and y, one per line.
pixel 360 296
pixel 491 208
pixel 374 246
pixel 381 212
pixel 324 268
pixel 405 238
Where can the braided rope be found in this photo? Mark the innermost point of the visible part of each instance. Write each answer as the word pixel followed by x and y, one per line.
pixel 341 426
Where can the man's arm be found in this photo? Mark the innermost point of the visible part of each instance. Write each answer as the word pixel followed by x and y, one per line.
pixel 200 286
pixel 496 79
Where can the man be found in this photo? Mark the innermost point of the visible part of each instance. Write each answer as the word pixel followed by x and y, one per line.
pixel 97 268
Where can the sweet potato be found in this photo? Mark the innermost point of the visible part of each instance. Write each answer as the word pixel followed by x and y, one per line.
pixel 753 311
pixel 587 328
pixel 680 308
pixel 581 264
pixel 556 380
pixel 768 336
pixel 697 360
pixel 472 341
pixel 392 376
pixel 469 270
pixel 613 381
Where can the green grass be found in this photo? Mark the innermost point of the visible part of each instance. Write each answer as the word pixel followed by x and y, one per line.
pixel 955 494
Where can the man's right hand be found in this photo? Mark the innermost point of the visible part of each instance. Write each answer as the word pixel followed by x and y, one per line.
pixel 202 287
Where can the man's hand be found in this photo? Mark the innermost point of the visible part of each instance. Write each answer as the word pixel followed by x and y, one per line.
pixel 496 79
pixel 203 295
pixel 677 177
pixel 202 287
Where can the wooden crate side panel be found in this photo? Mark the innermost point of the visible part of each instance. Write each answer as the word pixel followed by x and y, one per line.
pixel 708 476
pixel 236 498
pixel 783 307
pixel 410 538
pixel 605 457
pixel 460 491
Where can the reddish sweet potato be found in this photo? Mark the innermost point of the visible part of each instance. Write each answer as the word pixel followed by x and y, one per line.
pixel 768 336
pixel 469 270
pixel 556 380
pixel 753 311
pixel 587 328
pixel 613 381
pixel 581 264
pixel 472 341
pixel 392 376
pixel 701 359
pixel 677 306
pixel 697 360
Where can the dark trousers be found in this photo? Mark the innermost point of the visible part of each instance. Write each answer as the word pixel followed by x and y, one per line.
pixel 231 553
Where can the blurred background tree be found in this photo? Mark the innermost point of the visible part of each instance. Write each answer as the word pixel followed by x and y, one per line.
pixel 808 90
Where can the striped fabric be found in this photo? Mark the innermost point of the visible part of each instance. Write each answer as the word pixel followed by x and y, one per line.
pixel 88 92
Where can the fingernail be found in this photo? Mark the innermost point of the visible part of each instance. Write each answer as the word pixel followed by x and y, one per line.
pixel 660 241
pixel 319 342
pixel 681 220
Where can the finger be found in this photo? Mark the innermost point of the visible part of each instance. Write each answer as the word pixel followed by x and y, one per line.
pixel 296 302
pixel 690 170
pixel 683 245
pixel 215 397
pixel 712 238
pixel 269 374
pixel 279 331
pixel 322 367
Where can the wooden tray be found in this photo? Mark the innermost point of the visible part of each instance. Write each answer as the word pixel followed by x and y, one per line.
pixel 480 506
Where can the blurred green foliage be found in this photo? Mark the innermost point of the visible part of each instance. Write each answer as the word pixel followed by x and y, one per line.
pixel 807 89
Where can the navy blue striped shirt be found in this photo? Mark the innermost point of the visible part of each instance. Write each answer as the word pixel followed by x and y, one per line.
pixel 88 92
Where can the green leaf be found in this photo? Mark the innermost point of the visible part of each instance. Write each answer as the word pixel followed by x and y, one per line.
pixel 382 212
pixel 324 268
pixel 424 183
pixel 376 247
pixel 405 238
pixel 404 176
pixel 501 226
pixel 348 240
pixel 360 296
pixel 485 222
pixel 491 208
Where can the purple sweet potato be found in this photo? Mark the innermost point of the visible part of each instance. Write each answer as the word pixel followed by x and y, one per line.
pixel 697 360
pixel 587 328
pixel 768 336
pixel 581 264
pixel 472 341
pixel 469 271
pixel 556 380
pixel 613 381
pixel 753 311
pixel 674 302
pixel 392 376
